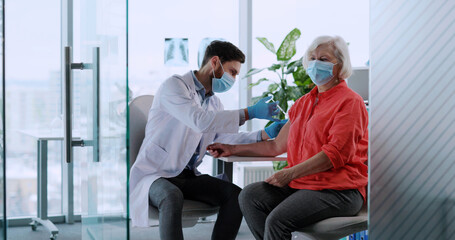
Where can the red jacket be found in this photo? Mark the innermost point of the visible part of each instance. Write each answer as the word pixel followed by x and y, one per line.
pixel 336 122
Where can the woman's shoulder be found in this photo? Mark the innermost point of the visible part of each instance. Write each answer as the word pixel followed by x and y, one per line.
pixel 347 94
pixel 299 104
pixel 349 100
pixel 304 98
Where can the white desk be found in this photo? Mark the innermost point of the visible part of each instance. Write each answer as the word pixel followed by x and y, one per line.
pixel 42 139
pixel 225 164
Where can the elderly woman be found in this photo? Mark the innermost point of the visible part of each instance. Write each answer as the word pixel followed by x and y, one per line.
pixel 326 140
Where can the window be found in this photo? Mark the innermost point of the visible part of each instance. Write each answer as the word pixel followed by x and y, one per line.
pixel 152 22
pixel 33 102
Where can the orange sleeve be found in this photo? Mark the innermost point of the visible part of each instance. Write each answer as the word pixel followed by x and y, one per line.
pixel 349 125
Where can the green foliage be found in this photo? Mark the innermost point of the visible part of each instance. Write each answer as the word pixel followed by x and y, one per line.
pixel 287 48
pixel 267 44
pixel 286 70
pixel 278 165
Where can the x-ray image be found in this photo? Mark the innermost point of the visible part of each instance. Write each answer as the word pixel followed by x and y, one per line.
pixel 176 52
pixel 202 46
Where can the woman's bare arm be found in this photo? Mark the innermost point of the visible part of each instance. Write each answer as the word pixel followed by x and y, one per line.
pixel 261 149
pixel 320 162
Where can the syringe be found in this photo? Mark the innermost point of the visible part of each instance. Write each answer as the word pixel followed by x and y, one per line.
pixel 278 106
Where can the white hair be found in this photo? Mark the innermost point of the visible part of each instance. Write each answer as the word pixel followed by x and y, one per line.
pixel 340 51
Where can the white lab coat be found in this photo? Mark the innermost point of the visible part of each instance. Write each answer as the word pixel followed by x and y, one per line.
pixel 176 124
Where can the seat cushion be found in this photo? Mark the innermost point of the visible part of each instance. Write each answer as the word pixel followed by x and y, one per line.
pixel 339 224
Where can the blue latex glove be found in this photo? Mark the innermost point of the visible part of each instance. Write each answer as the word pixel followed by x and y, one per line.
pixel 274 128
pixel 263 110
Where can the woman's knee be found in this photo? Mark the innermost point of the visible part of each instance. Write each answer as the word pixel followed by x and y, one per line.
pixel 277 225
pixel 249 193
pixel 274 220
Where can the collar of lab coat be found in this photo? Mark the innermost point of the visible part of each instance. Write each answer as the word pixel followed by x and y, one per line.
pixel 199 87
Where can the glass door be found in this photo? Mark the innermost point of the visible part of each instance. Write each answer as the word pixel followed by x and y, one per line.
pixel 95 114
pixel 2 127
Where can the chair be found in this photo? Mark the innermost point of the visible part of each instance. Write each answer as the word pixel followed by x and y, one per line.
pixel 138 115
pixel 336 227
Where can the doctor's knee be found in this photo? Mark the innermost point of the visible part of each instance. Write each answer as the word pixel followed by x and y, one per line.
pixel 174 197
pixel 168 198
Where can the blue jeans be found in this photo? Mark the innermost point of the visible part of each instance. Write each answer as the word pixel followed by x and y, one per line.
pixel 274 213
pixel 167 195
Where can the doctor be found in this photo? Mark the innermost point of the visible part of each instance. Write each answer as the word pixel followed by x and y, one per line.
pixel 186 116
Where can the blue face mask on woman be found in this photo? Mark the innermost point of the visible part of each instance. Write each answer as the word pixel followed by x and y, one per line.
pixel 320 72
pixel 222 84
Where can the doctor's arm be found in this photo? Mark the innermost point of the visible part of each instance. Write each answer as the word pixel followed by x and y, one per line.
pixel 262 149
pixel 177 100
pixel 239 138
pixel 269 132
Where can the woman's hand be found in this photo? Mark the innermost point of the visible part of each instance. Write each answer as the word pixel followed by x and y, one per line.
pixel 281 178
pixel 220 150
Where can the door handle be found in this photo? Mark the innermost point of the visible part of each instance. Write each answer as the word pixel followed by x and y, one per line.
pixel 68 112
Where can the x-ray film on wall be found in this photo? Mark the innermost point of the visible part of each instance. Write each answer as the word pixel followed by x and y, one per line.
pixel 203 46
pixel 176 52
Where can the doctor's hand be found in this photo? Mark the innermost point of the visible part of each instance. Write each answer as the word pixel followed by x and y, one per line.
pixel 274 128
pixel 220 150
pixel 263 110
pixel 281 178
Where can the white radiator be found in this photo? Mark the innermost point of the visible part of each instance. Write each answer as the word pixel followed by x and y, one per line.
pixel 251 173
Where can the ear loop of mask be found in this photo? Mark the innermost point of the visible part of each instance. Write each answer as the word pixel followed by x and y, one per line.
pixel 213 69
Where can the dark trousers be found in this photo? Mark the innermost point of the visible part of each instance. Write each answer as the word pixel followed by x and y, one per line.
pixel 274 213
pixel 167 195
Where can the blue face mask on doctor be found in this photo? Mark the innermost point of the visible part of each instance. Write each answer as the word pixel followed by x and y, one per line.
pixel 320 72
pixel 222 84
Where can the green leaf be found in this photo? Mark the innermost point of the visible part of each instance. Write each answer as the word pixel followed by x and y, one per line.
pixel 254 100
pixel 253 71
pixel 309 85
pixel 274 67
pixel 300 76
pixel 287 49
pixel 279 95
pixel 294 93
pixel 267 44
pixel 273 87
pixel 293 66
pixel 278 165
pixel 258 82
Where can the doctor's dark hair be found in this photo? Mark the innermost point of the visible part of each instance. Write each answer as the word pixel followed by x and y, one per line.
pixel 226 51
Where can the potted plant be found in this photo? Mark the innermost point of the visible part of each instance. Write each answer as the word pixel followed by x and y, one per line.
pixel 287 71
